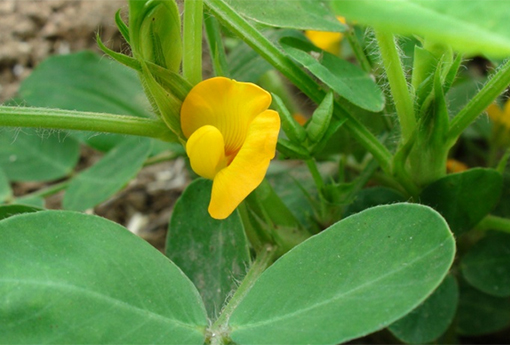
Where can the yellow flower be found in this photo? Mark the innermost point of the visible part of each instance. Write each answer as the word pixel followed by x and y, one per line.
pixel 328 41
pixel 501 119
pixel 231 138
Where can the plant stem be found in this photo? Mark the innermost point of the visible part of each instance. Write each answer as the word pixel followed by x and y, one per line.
pixel 258 42
pixel 192 41
pixel 317 178
pixel 358 50
pixel 491 90
pixel 83 121
pixel 264 258
pixel 491 222
pixel 42 193
pixel 398 83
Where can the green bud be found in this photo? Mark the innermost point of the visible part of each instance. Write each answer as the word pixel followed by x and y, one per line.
pixel 155 32
pixel 321 119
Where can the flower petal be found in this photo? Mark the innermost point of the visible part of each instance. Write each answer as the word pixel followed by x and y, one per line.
pixel 233 183
pixel 206 151
pixel 225 104
pixel 495 113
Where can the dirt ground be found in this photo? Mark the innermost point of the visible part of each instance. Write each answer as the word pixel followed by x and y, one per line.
pixel 30 31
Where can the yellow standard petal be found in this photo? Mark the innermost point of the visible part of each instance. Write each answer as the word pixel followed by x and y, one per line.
pixel 226 104
pixel 206 151
pixel 233 184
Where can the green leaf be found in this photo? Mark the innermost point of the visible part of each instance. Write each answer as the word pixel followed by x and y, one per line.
pixel 37 155
pixel 371 197
pixel 473 27
pixel 294 131
pixel 214 254
pixel 12 210
pixel 108 176
pixel 503 207
pixel 346 79
pixel 71 278
pixel 84 81
pixel 487 265
pixel 432 318
pixel 31 201
pixel 463 199
pixel 123 28
pixel 294 14
pixel 354 278
pixel 5 187
pixel 480 313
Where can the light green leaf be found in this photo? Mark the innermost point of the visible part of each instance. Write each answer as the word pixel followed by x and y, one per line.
pixel 5 187
pixel 354 278
pixel 107 176
pixel 84 81
pixel 480 313
pixel 487 265
pixel 31 201
pixel 473 27
pixel 214 254
pixel 346 79
pixel 432 318
pixel 294 14
pixel 70 278
pixel 459 198
pixel 37 155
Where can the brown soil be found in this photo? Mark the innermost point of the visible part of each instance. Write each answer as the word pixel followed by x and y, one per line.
pixel 31 30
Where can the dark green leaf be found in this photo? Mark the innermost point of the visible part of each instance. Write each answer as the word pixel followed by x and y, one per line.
pixel 473 27
pixel 12 210
pixel 70 278
pixel 214 254
pixel 37 155
pixel 371 197
pixel 108 176
pixel 86 82
pixel 487 265
pixel 464 198
pixel 432 318
pixel 354 278
pixel 480 313
pixel 346 79
pixel 294 14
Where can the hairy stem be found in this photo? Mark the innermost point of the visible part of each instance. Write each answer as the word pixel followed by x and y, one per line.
pixel 398 83
pixel 83 121
pixel 491 90
pixel 192 41
pixel 219 330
